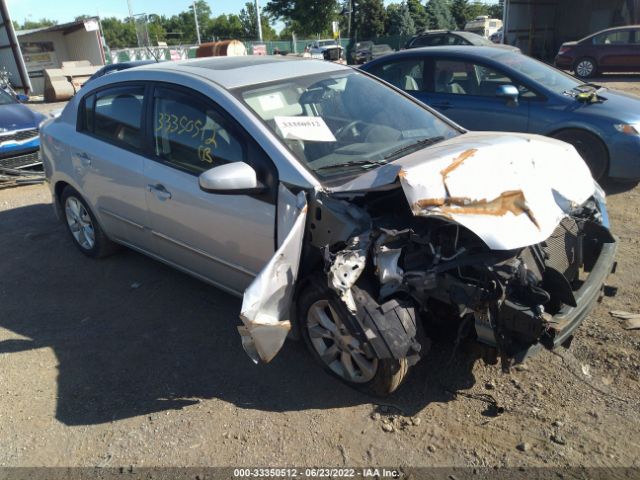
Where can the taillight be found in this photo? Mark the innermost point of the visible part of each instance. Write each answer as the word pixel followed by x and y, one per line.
pixel 564 50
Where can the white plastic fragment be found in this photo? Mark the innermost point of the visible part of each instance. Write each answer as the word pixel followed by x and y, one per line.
pixel 266 304
pixel 345 271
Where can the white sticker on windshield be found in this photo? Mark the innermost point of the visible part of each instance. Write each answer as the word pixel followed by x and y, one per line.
pixel 271 101
pixel 311 129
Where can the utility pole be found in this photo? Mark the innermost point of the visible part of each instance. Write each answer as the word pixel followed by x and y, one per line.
pixel 258 20
pixel 195 16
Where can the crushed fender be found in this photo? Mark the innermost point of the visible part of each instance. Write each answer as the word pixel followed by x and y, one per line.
pixel 266 304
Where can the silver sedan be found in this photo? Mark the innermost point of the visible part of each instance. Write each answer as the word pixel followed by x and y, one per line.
pixel 341 209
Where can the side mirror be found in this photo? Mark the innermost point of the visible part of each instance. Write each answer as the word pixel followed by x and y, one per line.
pixel 22 98
pixel 509 93
pixel 232 178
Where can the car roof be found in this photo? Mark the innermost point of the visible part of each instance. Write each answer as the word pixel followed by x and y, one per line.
pixel 612 29
pixel 462 50
pixel 233 72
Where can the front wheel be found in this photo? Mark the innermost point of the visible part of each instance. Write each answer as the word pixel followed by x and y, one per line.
pixel 322 324
pixel 591 149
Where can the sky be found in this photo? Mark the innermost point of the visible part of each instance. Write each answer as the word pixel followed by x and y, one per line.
pixel 67 10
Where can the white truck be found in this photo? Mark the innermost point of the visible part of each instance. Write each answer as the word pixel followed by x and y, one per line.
pixel 483 25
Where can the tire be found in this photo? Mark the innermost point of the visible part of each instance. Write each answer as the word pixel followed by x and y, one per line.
pixel 377 377
pixel 590 148
pixel 585 67
pixel 86 233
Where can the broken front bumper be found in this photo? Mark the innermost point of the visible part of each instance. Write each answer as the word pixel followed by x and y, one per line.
pixel 569 318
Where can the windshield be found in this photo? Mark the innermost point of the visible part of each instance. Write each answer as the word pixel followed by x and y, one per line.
pixel 342 123
pixel 5 98
pixel 543 74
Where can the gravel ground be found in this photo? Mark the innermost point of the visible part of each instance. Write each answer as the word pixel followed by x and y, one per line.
pixel 125 362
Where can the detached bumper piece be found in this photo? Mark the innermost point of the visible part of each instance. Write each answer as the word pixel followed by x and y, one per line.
pixel 18 162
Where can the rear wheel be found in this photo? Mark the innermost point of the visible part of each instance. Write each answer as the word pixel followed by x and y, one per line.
pixel 585 67
pixel 83 227
pixel 590 148
pixel 323 326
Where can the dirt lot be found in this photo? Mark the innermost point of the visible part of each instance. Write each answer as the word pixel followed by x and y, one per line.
pixel 126 362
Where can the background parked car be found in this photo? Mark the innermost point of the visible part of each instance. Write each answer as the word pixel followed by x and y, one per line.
pixel 19 133
pixel 488 88
pixel 117 67
pixel 612 50
pixel 367 51
pixel 497 37
pixel 436 38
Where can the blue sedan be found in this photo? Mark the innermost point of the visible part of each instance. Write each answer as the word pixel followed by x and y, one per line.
pixel 485 88
pixel 19 133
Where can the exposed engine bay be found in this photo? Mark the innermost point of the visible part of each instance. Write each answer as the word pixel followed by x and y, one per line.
pixel 507 298
pixel 515 261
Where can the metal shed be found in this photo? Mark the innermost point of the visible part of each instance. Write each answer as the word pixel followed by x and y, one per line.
pixel 539 27
pixel 48 47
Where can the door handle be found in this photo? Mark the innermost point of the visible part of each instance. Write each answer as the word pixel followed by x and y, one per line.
pixel 160 191
pixel 443 105
pixel 85 159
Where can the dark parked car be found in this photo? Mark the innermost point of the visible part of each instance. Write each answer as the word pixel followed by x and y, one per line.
pixel 19 133
pixel 612 50
pixel 116 67
pixel 367 51
pixel 437 38
pixel 488 88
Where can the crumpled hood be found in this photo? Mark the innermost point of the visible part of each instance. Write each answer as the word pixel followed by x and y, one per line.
pixel 512 190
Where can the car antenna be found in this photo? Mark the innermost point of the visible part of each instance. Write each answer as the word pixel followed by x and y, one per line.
pixel 152 54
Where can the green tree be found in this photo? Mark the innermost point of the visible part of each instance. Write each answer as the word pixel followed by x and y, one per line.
pixel 118 33
pixel 477 9
pixel 226 27
pixel 497 11
pixel 249 25
pixel 460 12
pixel 311 16
pixel 440 15
pixel 418 14
pixel 400 21
pixel 31 24
pixel 368 18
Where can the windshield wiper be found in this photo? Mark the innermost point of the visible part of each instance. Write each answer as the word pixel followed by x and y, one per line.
pixel 415 146
pixel 352 163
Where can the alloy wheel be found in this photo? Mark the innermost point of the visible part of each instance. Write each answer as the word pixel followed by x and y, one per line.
pixel 340 351
pixel 80 224
pixel 585 68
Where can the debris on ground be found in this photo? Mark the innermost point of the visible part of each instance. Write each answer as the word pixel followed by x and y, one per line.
pixel 11 177
pixel 631 320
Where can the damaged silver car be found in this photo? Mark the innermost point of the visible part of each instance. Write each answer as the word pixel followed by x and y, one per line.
pixel 343 210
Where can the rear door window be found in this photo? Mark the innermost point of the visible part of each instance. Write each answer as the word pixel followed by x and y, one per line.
pixel 407 75
pixel 428 41
pixel 115 116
